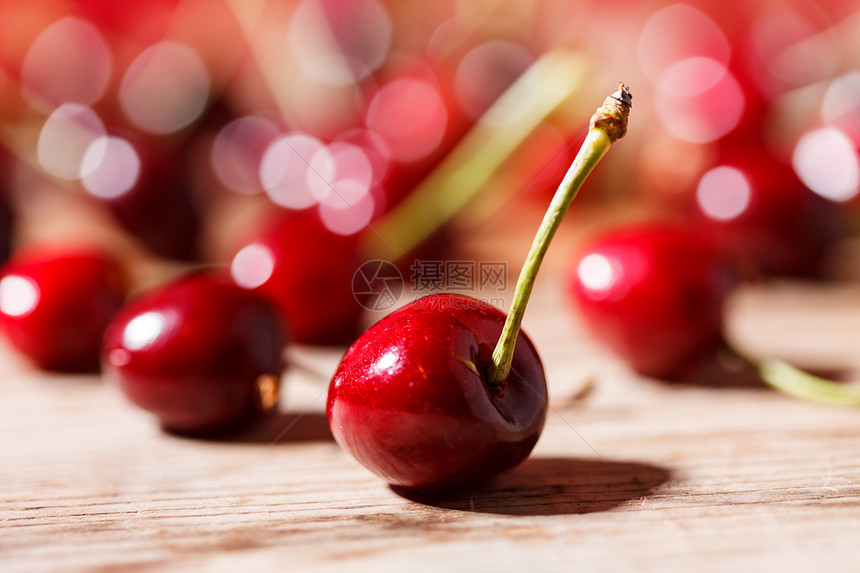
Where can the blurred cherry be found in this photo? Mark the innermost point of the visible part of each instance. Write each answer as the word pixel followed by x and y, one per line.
pixel 56 302
pixel 755 206
pixel 306 272
pixel 654 294
pixel 200 353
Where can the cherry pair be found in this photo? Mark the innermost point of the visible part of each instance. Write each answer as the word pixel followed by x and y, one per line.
pixel 200 352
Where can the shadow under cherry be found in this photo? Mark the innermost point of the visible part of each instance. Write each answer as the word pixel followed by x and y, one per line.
pixel 553 486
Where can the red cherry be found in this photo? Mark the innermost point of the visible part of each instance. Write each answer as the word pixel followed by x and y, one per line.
pixel 757 209
pixel 306 272
pixel 200 353
pixel 411 399
pixel 653 294
pixel 55 305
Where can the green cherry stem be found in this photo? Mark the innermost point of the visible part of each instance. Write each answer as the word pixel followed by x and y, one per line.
pixel 800 384
pixel 608 124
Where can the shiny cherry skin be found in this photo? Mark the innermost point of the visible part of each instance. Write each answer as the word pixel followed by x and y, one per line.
pixel 306 272
pixel 654 294
pixel 411 400
pixel 200 353
pixel 55 304
pixel 760 212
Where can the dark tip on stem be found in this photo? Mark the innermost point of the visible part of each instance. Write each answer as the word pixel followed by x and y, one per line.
pixel 623 95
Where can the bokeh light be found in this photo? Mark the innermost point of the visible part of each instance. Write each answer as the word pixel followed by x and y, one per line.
pixel 238 152
pixel 699 100
pixel 840 106
pixel 676 33
pixel 70 61
pixel 285 170
pixel 374 149
pixel 348 208
pixel 110 167
pixel 65 138
pixel 337 162
pixel 410 115
pixel 597 273
pixel 253 265
pixel 826 160
pixel 723 193
pixel 19 295
pixel 791 47
pixel 339 43
pixel 165 88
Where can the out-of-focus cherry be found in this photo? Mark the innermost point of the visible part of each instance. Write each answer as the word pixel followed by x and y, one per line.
pixel 55 304
pixel 306 272
pixel 200 353
pixel 755 206
pixel 654 294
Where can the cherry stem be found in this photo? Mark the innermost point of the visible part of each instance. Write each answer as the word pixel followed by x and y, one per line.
pixel 548 83
pixel 608 124
pixel 800 384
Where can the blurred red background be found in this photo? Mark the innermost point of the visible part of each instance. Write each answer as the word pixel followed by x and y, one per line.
pixel 168 128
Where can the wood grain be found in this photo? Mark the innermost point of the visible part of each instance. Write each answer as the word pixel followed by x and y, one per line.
pixel 637 475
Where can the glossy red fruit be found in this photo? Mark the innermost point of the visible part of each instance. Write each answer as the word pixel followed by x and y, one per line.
pixel 200 353
pixel 758 210
pixel 56 303
pixel 411 400
pixel 306 272
pixel 654 294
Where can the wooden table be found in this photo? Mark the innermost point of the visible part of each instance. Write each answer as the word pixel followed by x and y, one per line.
pixel 635 475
